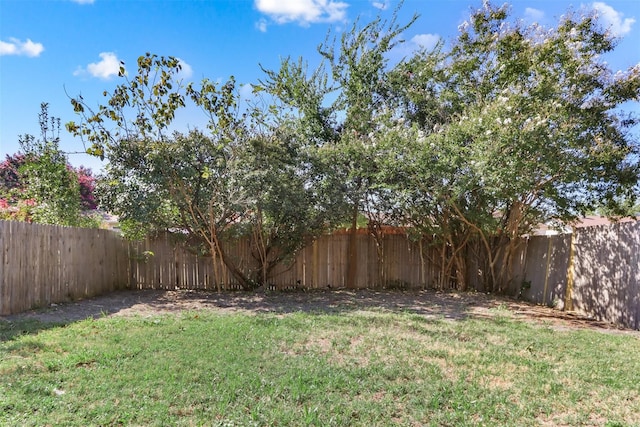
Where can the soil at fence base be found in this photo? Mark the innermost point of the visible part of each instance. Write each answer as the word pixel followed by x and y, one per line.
pixel 444 305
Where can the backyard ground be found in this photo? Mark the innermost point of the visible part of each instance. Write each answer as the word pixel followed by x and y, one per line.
pixel 431 304
pixel 321 358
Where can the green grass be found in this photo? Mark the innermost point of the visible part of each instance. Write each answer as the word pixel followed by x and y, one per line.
pixel 361 368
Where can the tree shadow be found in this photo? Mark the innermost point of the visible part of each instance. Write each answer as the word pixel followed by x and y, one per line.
pixel 428 304
pixel 12 329
pixel 441 305
pixel 607 273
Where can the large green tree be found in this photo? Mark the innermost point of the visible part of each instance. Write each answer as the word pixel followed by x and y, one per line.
pixel 341 106
pixel 246 175
pixel 520 125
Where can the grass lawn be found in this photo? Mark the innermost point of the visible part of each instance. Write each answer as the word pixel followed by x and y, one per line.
pixel 368 368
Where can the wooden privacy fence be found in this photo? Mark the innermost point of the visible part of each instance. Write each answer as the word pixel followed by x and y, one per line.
pixel 165 264
pixel 604 273
pixel 44 264
pixel 595 270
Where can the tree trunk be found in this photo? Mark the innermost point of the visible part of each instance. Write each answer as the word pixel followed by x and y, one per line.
pixel 352 262
pixel 377 232
pixel 216 270
pixel 242 279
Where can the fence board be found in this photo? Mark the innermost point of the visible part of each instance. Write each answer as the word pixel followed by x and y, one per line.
pixel 544 263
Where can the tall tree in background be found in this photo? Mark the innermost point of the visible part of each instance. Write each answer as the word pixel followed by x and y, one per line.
pixel 245 176
pixel 473 145
pixel 161 180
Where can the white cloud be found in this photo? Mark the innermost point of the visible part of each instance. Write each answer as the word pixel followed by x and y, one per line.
pixel 410 47
pixel 304 12
pixel 425 41
pixel 186 72
pixel 613 19
pixel 18 47
pixel 83 1
pixel 108 66
pixel 382 5
pixel 261 25
pixel 534 15
pixel 246 91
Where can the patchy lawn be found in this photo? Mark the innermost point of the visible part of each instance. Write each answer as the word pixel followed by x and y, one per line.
pixel 321 358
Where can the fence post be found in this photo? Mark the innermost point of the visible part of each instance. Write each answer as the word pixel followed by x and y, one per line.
pixel 568 299
pixel 546 274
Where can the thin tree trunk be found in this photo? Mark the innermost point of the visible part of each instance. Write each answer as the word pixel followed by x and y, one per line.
pixel 376 231
pixel 422 272
pixel 261 247
pixel 352 265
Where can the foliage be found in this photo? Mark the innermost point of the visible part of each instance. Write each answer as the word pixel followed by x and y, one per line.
pixel 291 201
pixel 9 175
pixel 340 106
pixel 39 185
pixel 473 144
pixel 212 185
pixel 519 125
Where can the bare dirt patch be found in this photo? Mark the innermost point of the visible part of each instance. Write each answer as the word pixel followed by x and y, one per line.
pixel 441 305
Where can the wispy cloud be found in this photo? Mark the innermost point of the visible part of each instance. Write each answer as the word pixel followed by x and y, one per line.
pixel 83 1
pixel 21 48
pixel 246 91
pixel 304 12
pixel 613 19
pixel 382 5
pixel 424 41
pixel 108 66
pixel 186 72
pixel 533 15
pixel 261 25
pixel 417 43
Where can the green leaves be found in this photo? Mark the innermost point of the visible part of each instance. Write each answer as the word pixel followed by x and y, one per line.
pixel 474 145
pixel 51 188
pixel 524 126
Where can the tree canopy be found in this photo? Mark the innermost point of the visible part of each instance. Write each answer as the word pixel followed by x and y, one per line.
pixel 470 145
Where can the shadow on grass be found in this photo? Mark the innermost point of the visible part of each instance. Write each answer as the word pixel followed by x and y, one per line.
pixel 453 306
pixel 11 329
pixel 59 315
pixel 426 303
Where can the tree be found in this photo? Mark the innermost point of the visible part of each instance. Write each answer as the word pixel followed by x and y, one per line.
pixel 340 105
pixel 290 201
pixel 39 185
pixel 521 126
pixel 246 176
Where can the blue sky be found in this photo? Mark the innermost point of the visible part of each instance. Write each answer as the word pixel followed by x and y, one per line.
pixel 49 47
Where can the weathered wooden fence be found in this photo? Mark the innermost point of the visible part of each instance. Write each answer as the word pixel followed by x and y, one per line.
pixel 595 270
pixel 44 264
pixel 604 273
pixel 164 263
